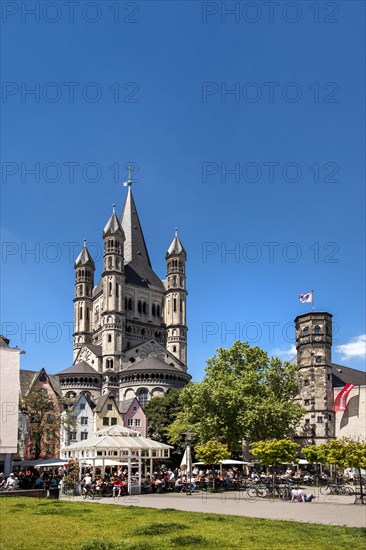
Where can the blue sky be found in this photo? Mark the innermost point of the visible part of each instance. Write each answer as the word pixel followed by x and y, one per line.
pixel 246 131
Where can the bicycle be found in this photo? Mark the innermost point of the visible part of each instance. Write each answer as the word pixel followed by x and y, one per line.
pixel 334 489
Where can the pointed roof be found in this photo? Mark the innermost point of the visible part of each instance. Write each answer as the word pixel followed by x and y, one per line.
pixel 138 268
pixel 84 258
pixel 113 226
pixel 176 248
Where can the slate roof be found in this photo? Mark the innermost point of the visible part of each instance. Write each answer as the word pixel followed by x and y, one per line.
pixel 84 258
pixel 97 350
pixel 101 401
pixel 123 406
pixel 4 342
pixel 152 363
pixel 344 375
pixel 28 377
pixel 98 288
pixel 80 368
pixel 138 268
pixel 113 226
pixel 176 248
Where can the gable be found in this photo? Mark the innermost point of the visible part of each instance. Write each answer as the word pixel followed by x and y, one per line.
pixel 150 349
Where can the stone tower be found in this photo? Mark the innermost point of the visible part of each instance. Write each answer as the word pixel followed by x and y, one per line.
pixel 112 311
pixel 175 300
pixel 83 300
pixel 314 348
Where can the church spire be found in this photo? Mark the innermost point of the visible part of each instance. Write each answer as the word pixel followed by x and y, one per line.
pixel 135 245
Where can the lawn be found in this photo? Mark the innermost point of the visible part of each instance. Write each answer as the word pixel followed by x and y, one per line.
pixel 40 524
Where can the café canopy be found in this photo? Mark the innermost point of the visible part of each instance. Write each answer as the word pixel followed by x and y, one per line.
pixel 119 444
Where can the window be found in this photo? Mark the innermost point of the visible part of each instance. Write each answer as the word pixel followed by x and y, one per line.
pixel 135 408
pixel 307 421
pixel 109 407
pixel 174 304
pixel 139 306
pixel 318 359
pixel 109 339
pixel 307 402
pixel 50 435
pixel 50 448
pixel 130 422
pixel 306 382
pixel 113 421
pixel 72 436
pixel 153 310
pixel 81 312
pixel 317 329
pixel 50 418
pixel 319 419
pixel 82 406
pixel 305 331
pixel 84 435
pixel 142 396
pixel 144 308
pixel 105 421
pixel 174 349
pixel 181 305
pixel 84 420
pixel 328 376
pixel 137 422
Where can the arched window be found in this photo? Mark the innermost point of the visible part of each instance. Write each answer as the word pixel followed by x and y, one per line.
pixel 317 329
pixel 130 304
pixel 144 308
pixel 174 304
pixel 109 363
pixel 142 395
pixel 153 310
pixel 305 331
pixel 139 306
pixel 158 311
pixel 81 312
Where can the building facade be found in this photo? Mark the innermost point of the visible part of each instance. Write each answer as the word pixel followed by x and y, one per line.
pixel 9 400
pixel 320 380
pixel 130 336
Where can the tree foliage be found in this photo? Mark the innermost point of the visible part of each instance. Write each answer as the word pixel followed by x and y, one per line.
pixel 43 413
pixel 212 452
pixel 275 451
pixel 338 452
pixel 161 412
pixel 244 394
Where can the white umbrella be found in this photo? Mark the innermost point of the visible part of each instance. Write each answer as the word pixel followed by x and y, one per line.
pixel 230 461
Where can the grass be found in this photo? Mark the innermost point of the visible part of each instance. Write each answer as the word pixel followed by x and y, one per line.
pixel 32 524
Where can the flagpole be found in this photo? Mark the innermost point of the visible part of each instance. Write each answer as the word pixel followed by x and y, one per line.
pixel 312 303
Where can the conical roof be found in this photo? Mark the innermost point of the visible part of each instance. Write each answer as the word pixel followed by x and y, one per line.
pixel 113 226
pixel 176 248
pixel 138 268
pixel 84 258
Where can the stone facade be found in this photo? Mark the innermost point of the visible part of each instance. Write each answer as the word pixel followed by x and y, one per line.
pixel 130 335
pixel 318 380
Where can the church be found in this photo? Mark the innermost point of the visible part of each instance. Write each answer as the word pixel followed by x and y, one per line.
pixel 130 330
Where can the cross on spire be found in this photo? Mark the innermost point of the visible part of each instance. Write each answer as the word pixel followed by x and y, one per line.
pixel 129 182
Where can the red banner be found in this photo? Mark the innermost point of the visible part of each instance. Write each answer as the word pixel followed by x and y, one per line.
pixel 340 402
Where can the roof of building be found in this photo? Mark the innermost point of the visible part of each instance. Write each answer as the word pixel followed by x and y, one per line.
pixel 125 405
pixel 101 401
pixel 152 363
pixel 97 350
pixel 4 342
pixel 344 375
pixel 113 226
pixel 98 288
pixel 86 396
pixel 84 258
pixel 28 377
pixel 176 248
pixel 79 368
pixel 138 268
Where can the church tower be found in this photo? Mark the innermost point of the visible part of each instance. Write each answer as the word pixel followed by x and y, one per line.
pixel 175 300
pixel 113 321
pixel 314 361
pixel 83 301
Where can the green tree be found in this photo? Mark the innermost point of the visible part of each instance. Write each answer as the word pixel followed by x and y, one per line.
pixel 244 395
pixel 42 411
pixel 212 452
pixel 161 412
pixel 274 451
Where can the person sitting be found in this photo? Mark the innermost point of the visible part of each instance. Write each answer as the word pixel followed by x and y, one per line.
pixel 179 484
pixel 11 483
pixel 297 495
pixel 118 487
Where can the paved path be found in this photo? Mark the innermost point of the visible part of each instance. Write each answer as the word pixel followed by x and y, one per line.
pixel 331 510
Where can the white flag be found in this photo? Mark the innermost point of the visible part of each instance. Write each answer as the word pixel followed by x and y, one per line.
pixel 306 297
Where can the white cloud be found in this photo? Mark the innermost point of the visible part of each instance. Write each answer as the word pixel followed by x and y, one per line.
pixel 285 354
pixel 355 348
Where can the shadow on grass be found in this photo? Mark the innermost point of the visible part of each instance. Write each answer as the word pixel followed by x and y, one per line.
pixel 98 544
pixel 189 540
pixel 158 528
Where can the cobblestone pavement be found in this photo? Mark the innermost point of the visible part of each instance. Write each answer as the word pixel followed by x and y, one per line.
pixel 331 510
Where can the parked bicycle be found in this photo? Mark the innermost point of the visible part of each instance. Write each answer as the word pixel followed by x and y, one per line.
pixel 335 489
